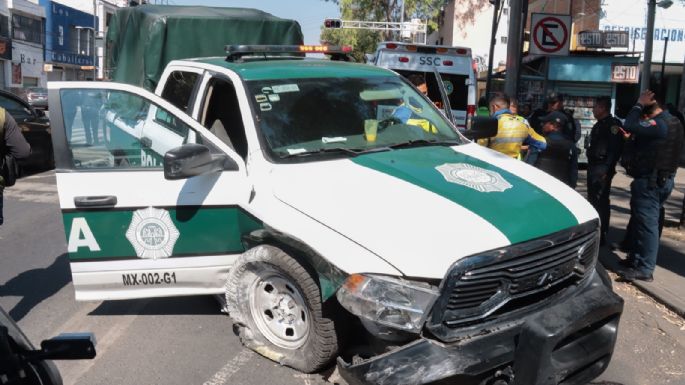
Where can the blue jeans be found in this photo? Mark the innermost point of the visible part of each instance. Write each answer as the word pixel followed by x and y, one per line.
pixel 646 201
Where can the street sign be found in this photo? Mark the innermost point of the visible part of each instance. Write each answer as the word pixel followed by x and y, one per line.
pixel 624 73
pixel 550 34
pixel 616 39
pixel 591 39
pixel 603 39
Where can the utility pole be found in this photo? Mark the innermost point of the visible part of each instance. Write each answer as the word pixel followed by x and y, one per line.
pixel 493 41
pixel 649 40
pixel 514 47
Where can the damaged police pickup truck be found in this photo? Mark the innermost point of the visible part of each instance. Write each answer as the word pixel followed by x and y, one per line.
pixel 334 228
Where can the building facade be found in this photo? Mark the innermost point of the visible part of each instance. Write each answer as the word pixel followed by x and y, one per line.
pixel 27 21
pixel 69 42
pixel 5 45
pixel 76 30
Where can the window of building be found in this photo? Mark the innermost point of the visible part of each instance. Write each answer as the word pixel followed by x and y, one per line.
pixel 81 40
pixel 4 26
pixel 27 29
pixel 505 11
pixel 503 39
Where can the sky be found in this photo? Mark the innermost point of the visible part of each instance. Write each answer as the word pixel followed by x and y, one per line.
pixel 309 13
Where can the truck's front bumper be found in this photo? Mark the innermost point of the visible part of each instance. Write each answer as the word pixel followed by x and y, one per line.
pixel 569 342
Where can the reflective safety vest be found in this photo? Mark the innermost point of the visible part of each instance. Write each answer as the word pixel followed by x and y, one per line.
pixel 512 133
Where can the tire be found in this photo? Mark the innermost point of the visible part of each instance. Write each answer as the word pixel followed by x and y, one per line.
pixel 277 312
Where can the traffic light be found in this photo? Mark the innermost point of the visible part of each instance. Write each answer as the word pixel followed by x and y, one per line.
pixel 332 23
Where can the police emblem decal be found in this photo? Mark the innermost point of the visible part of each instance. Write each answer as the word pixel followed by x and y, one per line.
pixel 152 233
pixel 473 177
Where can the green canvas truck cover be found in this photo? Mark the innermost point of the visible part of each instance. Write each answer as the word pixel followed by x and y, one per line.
pixel 142 40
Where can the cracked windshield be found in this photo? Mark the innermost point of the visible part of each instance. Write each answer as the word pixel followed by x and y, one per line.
pixel 302 116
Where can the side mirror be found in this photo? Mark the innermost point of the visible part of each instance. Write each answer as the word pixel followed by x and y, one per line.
pixel 68 346
pixel 481 127
pixel 194 159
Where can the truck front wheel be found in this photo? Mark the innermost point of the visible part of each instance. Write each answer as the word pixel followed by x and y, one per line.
pixel 276 306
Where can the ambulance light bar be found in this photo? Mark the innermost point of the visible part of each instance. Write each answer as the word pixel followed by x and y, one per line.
pixel 427 49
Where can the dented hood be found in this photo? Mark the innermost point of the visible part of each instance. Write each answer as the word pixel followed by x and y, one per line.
pixel 422 209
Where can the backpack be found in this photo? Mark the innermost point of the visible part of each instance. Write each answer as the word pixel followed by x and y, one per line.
pixel 9 168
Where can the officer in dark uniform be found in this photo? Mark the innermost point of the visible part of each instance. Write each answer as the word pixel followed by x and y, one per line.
pixel 604 147
pixel 557 156
pixel 658 142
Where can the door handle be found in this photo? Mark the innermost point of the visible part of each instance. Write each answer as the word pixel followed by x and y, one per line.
pixel 95 201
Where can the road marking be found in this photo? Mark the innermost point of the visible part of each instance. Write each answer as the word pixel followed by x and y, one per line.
pixel 73 371
pixel 231 368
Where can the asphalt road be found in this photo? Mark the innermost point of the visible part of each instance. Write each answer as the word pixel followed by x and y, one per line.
pixel 188 341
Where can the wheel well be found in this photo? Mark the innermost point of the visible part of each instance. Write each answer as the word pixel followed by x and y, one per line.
pixel 328 277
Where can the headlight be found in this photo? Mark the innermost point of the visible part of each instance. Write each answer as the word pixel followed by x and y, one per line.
pixel 388 301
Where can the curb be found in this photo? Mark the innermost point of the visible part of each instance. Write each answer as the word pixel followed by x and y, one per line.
pixel 663 296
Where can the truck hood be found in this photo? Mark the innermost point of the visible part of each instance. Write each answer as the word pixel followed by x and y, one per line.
pixel 422 209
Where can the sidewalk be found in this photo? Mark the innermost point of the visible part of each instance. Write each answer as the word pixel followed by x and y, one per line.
pixel 668 286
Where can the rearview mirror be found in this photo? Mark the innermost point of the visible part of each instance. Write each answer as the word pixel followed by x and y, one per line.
pixel 194 159
pixel 481 127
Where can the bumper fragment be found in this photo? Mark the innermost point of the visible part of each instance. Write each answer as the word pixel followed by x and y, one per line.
pixel 570 342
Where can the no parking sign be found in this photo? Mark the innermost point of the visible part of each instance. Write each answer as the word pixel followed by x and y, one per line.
pixel 550 34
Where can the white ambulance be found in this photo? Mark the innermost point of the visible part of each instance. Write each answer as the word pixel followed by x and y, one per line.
pixel 455 65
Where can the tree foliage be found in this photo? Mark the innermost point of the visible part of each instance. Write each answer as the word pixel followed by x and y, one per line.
pixel 365 41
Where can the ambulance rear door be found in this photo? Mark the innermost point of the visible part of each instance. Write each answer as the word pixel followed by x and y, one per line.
pixel 454 65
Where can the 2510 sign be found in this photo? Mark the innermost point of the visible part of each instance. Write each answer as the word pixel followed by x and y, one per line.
pixel 624 73
pixel 603 39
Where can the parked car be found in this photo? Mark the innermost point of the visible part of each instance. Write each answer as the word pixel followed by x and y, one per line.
pixel 37 97
pixel 34 125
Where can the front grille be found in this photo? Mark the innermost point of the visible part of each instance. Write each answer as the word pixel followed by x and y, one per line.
pixel 479 285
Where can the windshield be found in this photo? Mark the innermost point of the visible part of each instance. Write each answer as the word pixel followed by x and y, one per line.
pixel 345 116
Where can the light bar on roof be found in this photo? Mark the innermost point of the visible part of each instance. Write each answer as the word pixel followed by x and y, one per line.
pixel 266 49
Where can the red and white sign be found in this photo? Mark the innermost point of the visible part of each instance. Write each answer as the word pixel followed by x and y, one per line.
pixel 550 35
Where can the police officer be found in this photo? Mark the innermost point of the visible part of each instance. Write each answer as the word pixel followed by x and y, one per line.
pixel 556 158
pixel 658 142
pixel 604 148
pixel 570 130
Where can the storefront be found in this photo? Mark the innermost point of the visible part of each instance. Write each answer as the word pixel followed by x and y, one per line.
pixel 69 44
pixel 27 65
pixel 580 78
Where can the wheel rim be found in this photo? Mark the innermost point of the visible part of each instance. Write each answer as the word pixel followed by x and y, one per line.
pixel 279 311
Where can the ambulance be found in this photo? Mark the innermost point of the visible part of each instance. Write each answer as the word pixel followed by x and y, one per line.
pixel 455 65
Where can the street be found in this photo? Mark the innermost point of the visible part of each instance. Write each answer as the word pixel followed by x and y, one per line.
pixel 188 341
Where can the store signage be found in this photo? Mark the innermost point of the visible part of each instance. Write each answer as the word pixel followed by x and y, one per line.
pixel 71 58
pixel 603 39
pixel 550 34
pixel 624 73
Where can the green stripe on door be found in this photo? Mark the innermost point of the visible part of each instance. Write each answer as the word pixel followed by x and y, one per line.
pixel 521 212
pixel 207 230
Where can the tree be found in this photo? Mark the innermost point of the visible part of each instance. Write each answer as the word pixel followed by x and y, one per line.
pixel 429 11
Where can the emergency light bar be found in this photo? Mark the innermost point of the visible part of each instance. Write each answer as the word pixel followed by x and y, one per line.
pixel 234 52
pixel 426 48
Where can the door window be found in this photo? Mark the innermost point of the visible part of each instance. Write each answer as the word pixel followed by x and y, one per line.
pixel 178 88
pixel 117 129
